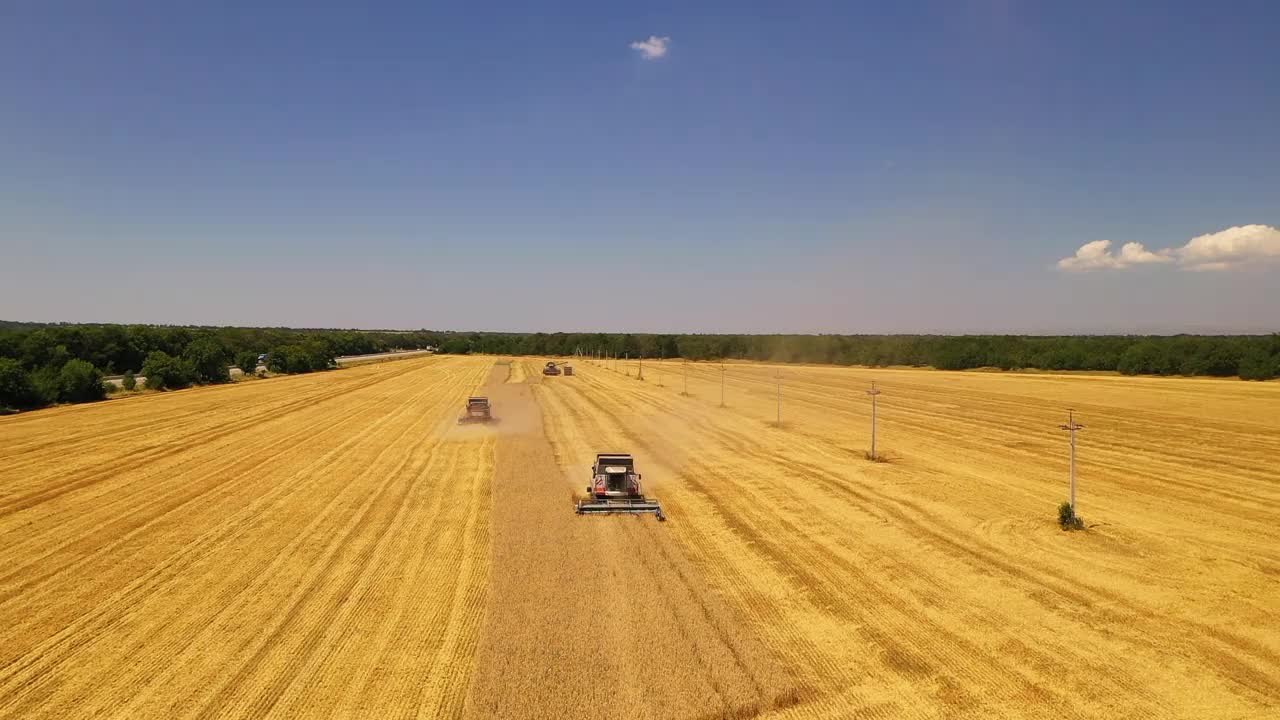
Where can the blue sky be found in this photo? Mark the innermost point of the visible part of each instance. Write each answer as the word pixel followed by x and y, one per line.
pixel 800 167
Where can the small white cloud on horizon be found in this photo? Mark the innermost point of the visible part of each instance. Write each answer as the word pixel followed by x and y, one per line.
pixel 1230 249
pixel 1096 256
pixel 653 48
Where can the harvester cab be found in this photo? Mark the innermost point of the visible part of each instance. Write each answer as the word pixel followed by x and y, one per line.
pixel 615 488
pixel 551 368
pixel 478 410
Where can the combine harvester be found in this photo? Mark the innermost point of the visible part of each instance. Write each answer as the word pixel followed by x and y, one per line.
pixel 478 411
pixel 615 488
pixel 551 368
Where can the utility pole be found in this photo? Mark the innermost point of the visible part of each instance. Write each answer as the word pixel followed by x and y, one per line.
pixel 873 392
pixel 640 372
pixel 662 355
pixel 722 383
pixel 777 376
pixel 684 364
pixel 1072 426
pixel 626 360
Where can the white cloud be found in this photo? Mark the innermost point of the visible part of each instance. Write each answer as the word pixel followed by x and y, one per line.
pixel 1096 256
pixel 1229 249
pixel 653 48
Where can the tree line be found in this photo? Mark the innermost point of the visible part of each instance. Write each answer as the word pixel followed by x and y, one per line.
pixel 41 364
pixel 1251 357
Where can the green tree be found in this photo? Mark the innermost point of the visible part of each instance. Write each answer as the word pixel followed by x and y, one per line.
pixel 455 346
pixel 165 372
pixel 16 387
pixel 129 382
pixel 1257 364
pixel 79 381
pixel 294 359
pixel 247 361
pixel 46 381
pixel 209 358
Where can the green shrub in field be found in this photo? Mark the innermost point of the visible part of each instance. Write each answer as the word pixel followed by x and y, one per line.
pixel 129 382
pixel 1068 519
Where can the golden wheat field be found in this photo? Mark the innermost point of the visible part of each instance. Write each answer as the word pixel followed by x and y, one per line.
pixel 334 545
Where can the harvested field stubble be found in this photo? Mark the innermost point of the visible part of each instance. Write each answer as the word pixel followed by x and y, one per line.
pixel 939 584
pixel 303 546
pixel 333 545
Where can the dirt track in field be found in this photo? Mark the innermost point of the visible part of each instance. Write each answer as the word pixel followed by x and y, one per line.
pixel 334 545
pixel 599 617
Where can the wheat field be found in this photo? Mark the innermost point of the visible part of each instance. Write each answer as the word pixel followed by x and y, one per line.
pixel 333 545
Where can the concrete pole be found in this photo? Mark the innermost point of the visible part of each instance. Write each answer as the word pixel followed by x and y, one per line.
pixel 778 378
pixel 1073 470
pixel 873 392
pixel 1072 426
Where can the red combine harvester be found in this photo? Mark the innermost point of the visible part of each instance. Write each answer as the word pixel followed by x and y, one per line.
pixel 615 488
pixel 478 411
